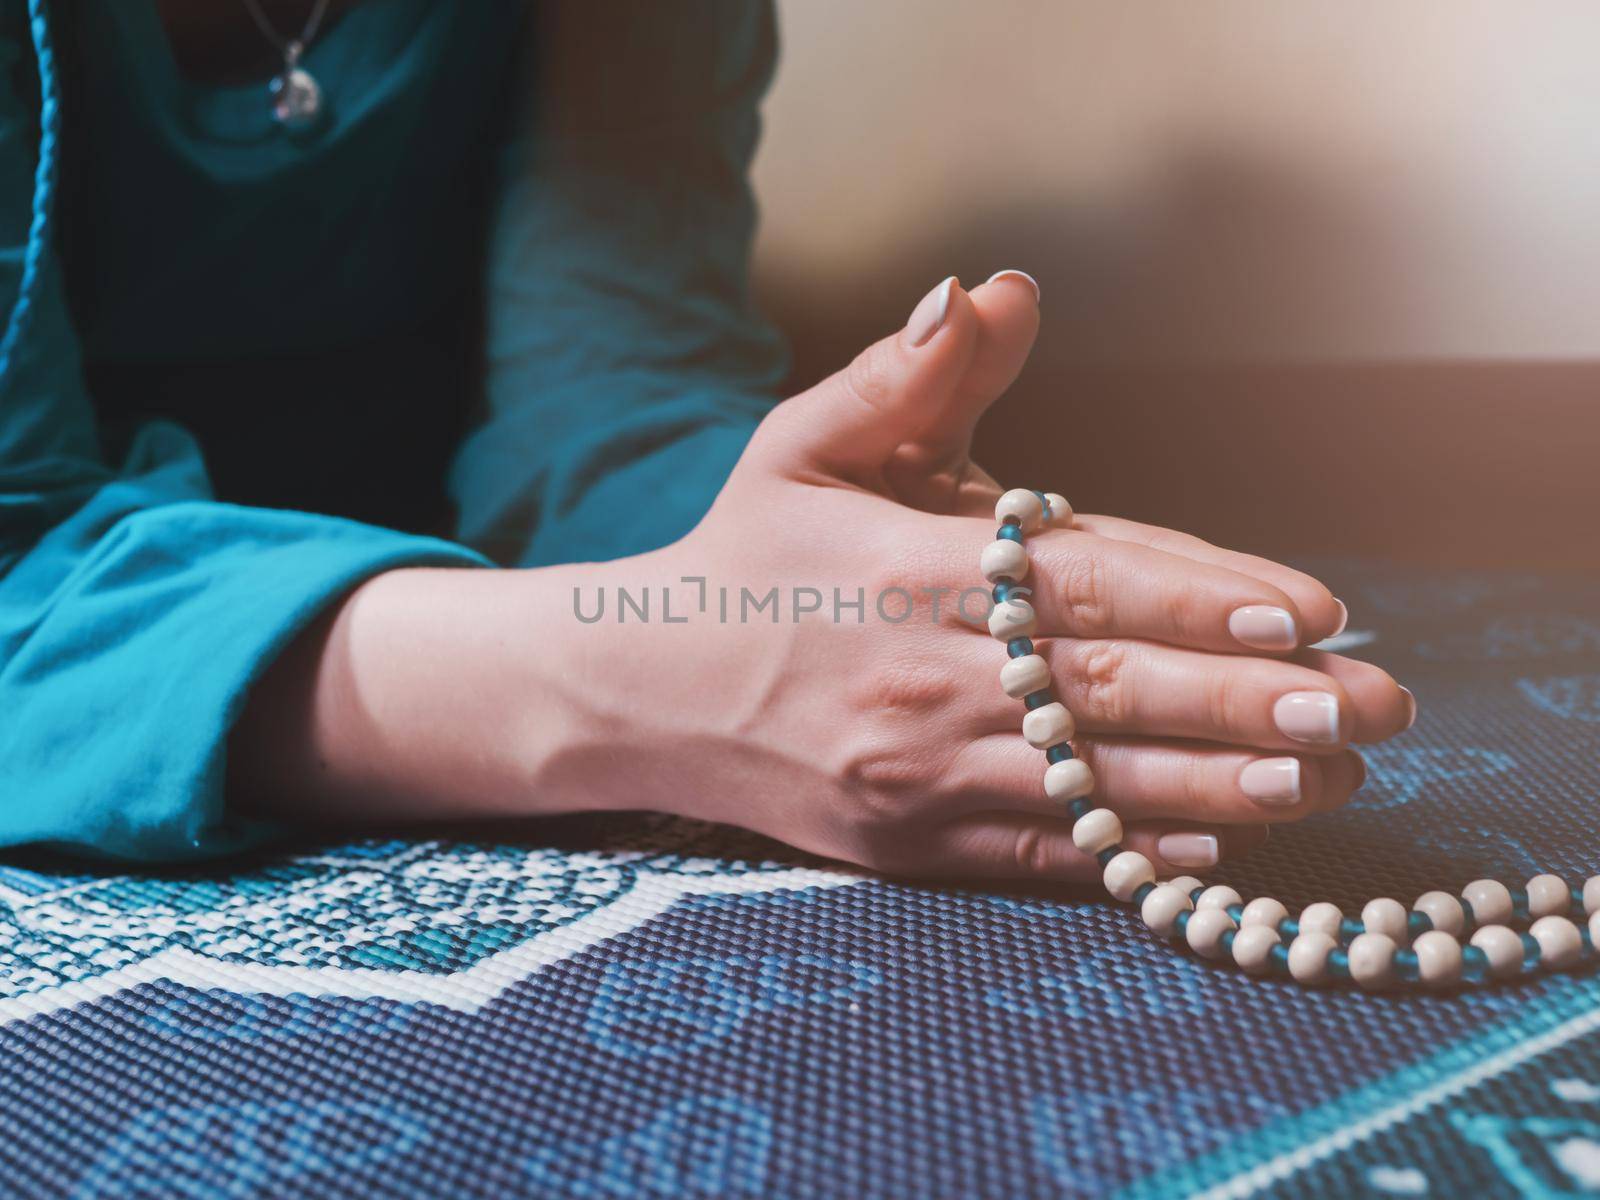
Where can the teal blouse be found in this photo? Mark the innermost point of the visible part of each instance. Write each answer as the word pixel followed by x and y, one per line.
pixel 491 310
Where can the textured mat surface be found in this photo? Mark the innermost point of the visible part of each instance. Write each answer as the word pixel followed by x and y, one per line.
pixel 641 1008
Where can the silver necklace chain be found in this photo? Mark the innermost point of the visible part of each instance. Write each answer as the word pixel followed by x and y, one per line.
pixel 290 48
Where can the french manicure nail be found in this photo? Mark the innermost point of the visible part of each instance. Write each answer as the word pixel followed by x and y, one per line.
pixel 1188 849
pixel 1271 781
pixel 1264 627
pixel 929 314
pixel 1411 706
pixel 1308 717
pixel 1344 618
pixel 1016 274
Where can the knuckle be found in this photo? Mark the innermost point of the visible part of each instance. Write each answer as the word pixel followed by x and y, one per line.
pixel 902 687
pixel 1099 677
pixel 1225 698
pixel 870 377
pixel 1034 852
pixel 1083 595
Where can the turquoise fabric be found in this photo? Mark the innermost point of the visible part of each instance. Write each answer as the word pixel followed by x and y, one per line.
pixel 178 270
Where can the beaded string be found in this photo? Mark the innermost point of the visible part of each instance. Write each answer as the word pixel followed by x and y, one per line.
pixel 1509 932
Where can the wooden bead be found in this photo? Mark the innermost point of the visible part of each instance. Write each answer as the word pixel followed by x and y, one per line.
pixel 1548 896
pixel 1187 882
pixel 1045 726
pixel 1004 559
pixel 1490 900
pixel 1012 619
pixel 1591 894
pixel 1096 830
pixel 1444 910
pixel 1252 947
pixel 1023 676
pixel 1594 929
pixel 1068 780
pixel 1127 873
pixel 1502 947
pixel 1321 917
pixel 1387 917
pixel 1308 957
pixel 1217 896
pixel 1560 944
pixel 1205 929
pixel 1264 911
pixel 1161 908
pixel 1438 958
pixel 1060 510
pixel 1372 959
pixel 1023 505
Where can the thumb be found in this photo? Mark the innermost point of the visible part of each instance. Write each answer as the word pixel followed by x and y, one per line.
pixel 851 423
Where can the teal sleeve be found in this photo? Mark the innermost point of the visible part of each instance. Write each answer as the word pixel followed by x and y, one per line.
pixel 627 366
pixel 135 611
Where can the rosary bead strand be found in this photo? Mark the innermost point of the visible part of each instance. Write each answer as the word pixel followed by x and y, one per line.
pixel 1489 932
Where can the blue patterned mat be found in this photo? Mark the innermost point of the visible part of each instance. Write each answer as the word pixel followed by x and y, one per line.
pixel 643 1008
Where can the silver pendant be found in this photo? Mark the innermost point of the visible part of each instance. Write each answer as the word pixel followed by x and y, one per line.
pixel 296 96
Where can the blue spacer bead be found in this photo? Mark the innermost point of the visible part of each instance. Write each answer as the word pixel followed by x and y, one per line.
pixel 1418 924
pixel 1106 855
pixel 1002 589
pixel 1288 929
pixel 1467 914
pixel 1060 752
pixel 1236 911
pixel 1530 949
pixel 1196 893
pixel 1019 647
pixel 1080 807
pixel 1474 962
pixel 1405 964
pixel 1180 926
pixel 1278 956
pixel 1227 940
pixel 1038 699
pixel 1339 964
pixel 1577 897
pixel 1140 892
pixel 1011 532
pixel 1349 928
pixel 1519 903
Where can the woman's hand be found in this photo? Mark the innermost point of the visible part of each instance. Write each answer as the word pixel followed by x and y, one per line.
pixel 815 664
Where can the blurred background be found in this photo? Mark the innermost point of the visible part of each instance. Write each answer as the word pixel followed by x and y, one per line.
pixel 1318 279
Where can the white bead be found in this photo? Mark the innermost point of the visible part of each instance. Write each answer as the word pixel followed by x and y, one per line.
pixel 1321 917
pixel 1047 725
pixel 1060 510
pixel 1004 559
pixel 1385 916
pixel 1095 830
pixel 1594 929
pixel 1560 944
pixel 1205 929
pixel 1252 947
pixel 1308 957
pixel 1372 960
pixel 1021 676
pixel 1591 894
pixel 1502 947
pixel 1265 911
pixel 1438 958
pixel 1067 780
pixel 1161 908
pixel 1490 900
pixel 1013 618
pixel 1023 505
pixel 1444 910
pixel 1127 873
pixel 1548 896
pixel 1218 897
pixel 1187 882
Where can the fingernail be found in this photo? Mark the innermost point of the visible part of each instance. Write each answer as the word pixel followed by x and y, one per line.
pixel 1015 274
pixel 1411 706
pixel 1264 626
pixel 1344 618
pixel 929 314
pixel 1188 849
pixel 1308 717
pixel 1272 781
